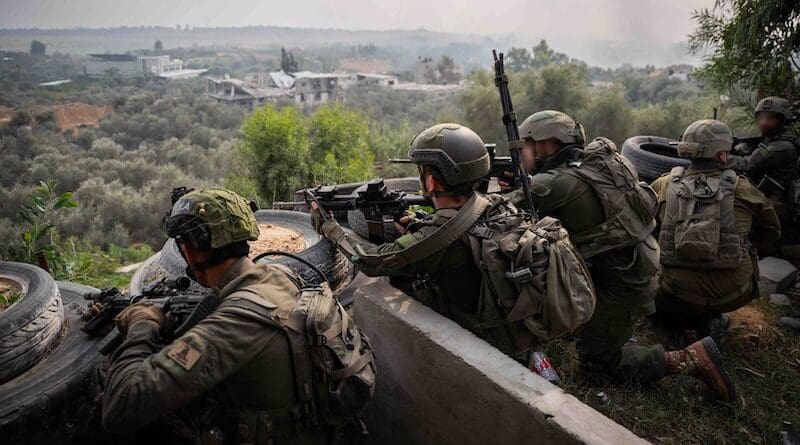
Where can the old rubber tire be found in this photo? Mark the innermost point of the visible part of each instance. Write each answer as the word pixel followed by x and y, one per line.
pixel 168 263
pixel 31 326
pixel 652 156
pixel 54 401
pixel 355 218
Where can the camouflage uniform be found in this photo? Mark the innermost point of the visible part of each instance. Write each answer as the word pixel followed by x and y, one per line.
pixel 691 292
pixel 624 278
pixel 238 355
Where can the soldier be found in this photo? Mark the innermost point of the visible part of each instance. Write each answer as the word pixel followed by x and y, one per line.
pixel 772 166
pixel 609 215
pixel 712 223
pixel 240 355
pixel 451 160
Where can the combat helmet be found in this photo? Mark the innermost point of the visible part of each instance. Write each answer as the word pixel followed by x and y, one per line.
pixel 551 124
pixel 457 152
pixel 211 219
pixel 777 105
pixel 705 138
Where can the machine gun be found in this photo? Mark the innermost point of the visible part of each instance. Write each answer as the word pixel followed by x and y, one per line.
pixel 169 295
pixel 499 166
pixel 376 202
pixel 512 131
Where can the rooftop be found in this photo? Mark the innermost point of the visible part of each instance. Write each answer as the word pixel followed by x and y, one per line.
pixel 115 57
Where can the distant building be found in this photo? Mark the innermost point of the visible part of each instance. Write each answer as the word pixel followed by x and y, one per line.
pixel 424 70
pixel 236 91
pixel 315 88
pixel 376 79
pixel 55 83
pixel 132 65
pixel 279 79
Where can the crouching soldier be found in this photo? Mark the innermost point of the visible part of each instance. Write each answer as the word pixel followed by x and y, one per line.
pixel 479 261
pixel 713 222
pixel 610 215
pixel 250 355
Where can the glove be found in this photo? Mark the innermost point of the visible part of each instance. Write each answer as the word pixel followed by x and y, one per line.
pixel 143 310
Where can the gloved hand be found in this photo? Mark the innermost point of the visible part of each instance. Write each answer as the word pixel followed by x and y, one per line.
pixel 143 310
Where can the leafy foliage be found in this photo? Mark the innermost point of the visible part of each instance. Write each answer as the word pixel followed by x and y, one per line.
pixel 37 48
pixel 754 45
pixel 339 146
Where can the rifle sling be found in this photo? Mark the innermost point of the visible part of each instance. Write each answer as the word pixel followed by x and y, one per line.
pixel 445 235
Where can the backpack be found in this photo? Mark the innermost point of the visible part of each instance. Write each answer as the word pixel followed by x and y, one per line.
pixel 341 378
pixel 629 205
pixel 699 229
pixel 531 273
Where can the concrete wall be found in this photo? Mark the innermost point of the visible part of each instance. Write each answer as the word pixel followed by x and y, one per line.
pixel 438 383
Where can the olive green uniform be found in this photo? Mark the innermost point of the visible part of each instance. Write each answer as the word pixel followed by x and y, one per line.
pixel 686 293
pixel 447 281
pixel 773 166
pixel 624 278
pixel 239 355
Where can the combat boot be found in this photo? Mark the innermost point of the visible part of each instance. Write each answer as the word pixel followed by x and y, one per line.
pixel 714 326
pixel 703 361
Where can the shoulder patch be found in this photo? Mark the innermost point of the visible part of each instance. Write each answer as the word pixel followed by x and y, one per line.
pixel 184 354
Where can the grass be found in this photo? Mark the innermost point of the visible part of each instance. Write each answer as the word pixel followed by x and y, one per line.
pixel 7 298
pixel 763 358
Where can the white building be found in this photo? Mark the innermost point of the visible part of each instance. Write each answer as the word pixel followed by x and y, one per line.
pixel 132 65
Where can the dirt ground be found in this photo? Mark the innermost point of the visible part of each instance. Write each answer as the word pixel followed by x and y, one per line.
pixel 279 238
pixel 72 116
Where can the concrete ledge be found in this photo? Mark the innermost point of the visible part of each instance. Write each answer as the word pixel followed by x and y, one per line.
pixel 438 383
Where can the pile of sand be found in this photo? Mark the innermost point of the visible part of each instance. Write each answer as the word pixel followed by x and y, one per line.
pixel 278 238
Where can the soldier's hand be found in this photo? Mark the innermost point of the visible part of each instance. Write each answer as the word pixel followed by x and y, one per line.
pixel 317 218
pixel 143 310
pixel 504 184
pixel 402 223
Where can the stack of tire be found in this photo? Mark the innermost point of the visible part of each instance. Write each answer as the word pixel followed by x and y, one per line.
pixel 652 156
pixel 49 378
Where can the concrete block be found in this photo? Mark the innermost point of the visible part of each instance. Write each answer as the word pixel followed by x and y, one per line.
pixel 438 383
pixel 776 272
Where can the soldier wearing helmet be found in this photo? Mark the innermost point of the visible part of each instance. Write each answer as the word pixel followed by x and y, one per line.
pixel 451 160
pixel 773 164
pixel 238 356
pixel 702 280
pixel 609 214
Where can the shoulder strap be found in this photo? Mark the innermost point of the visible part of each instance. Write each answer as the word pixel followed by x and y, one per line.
pixel 677 173
pixel 729 180
pixel 444 235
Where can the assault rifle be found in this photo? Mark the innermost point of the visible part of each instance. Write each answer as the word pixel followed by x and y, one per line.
pixel 512 131
pixel 169 295
pixel 750 143
pixel 499 166
pixel 376 202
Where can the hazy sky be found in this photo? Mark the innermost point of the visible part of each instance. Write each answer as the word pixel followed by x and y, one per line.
pixel 616 20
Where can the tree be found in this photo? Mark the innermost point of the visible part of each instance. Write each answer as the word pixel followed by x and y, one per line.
pixel 608 114
pixel 158 47
pixel 446 70
pixel 518 59
pixel 340 149
pixel 555 87
pixel 543 55
pixel 754 45
pixel 37 48
pixel 275 147
pixel 288 64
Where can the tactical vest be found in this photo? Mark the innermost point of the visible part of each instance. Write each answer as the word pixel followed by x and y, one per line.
pixel 699 230
pixel 534 283
pixel 630 206
pixel 333 365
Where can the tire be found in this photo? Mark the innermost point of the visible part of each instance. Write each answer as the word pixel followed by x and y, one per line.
pixel 30 327
pixel 56 400
pixel 168 263
pixel 355 218
pixel 652 156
